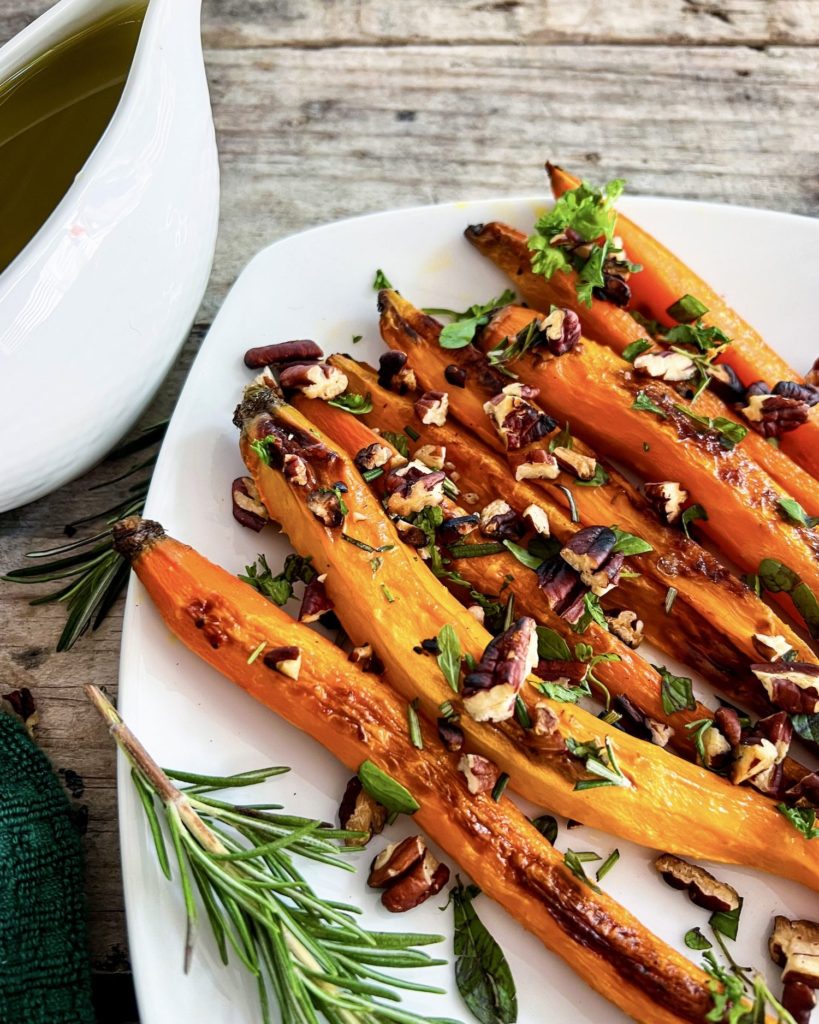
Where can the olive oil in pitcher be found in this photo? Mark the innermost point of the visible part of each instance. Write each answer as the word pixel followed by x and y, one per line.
pixel 53 112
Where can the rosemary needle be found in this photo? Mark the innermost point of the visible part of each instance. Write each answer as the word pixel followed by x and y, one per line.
pixel 308 954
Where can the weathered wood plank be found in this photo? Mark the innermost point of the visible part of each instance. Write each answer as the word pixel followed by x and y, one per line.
pixel 253 23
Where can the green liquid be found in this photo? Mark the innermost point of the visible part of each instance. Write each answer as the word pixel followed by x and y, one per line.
pixel 53 112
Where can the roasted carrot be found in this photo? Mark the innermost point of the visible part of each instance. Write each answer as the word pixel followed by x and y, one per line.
pixel 358 718
pixel 615 328
pixel 743 503
pixel 385 596
pixel 665 278
pixel 627 674
pixel 715 617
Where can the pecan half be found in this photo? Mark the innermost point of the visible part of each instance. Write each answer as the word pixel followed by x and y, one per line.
pixel 491 688
pixel 499 521
pixel 455 375
pixel 791 686
pixel 374 456
pixel 394 374
pixel 626 626
pixel 359 812
pixel 315 601
pixel 773 415
pixel 248 509
pixel 480 773
pixel 517 421
pixel 667 497
pixel 325 504
pixel 450 734
pixel 285 660
pixel 703 889
pixel 794 946
pixel 666 365
pixel 314 380
pixel 581 466
pixel 589 552
pixel 538 464
pixel 303 351
pixel 807 393
pixel 426 879
pixel 394 861
pixel 561 329
pixel 431 408
pixel 562 588
pixel 412 488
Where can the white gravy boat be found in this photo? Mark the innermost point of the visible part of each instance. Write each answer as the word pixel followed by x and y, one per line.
pixel 94 310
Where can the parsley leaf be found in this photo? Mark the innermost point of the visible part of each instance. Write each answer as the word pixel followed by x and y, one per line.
pixel 690 514
pixel 629 544
pixel 697 336
pixel 551 646
pixel 461 331
pixel 398 441
pixel 676 692
pixel 600 478
pixel 592 613
pixel 730 433
pixel 642 403
pixel 358 405
pixel 278 588
pixel 803 819
pixel 796 514
pixel 636 348
pixel 694 939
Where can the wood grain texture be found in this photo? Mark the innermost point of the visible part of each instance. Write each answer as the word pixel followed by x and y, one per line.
pixel 329 109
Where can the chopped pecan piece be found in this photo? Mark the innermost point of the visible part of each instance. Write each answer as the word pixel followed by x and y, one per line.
pixel 546 728
pixel 410 534
pixel 538 464
pixel 806 792
pixel 582 466
pixel 774 415
pixel 248 509
pixel 562 588
pixel 295 470
pixel 374 456
pixel 433 456
pixel 431 408
pixel 458 523
pixel 562 330
pixel 359 812
pixel 394 374
pixel 314 380
pixel 636 723
pixel 426 879
pixel 537 518
pixel 517 421
pixel 413 487
pixel 394 861
pixel 667 365
pixel 626 626
pixel 589 553
pixel 315 601
pixel 477 613
pixel 772 647
pixel 325 504
pixel 286 660
pixel 450 734
pixel 726 720
pixel 752 757
pixel 455 375
pixel 717 750
pixel 668 498
pixel 794 946
pixel 791 686
pixel 703 889
pixel 283 352
pixel 480 773
pixel 807 393
pixel 725 383
pixel 501 522
pixel 490 689
pixel 367 660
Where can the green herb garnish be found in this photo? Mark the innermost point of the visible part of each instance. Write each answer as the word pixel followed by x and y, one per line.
pixel 607 865
pixel 629 543
pixel 729 432
pixel 574 862
pixel 414 725
pixel 358 405
pixel 803 819
pixel 636 348
pixel 449 656
pixel 386 790
pixel 551 646
pixel 601 763
pixel 686 310
pixel 380 281
pixel 642 403
pixel 692 513
pixel 522 555
pixel 793 511
pixel 278 588
pixel 676 692
pixel 694 939
pixel 461 331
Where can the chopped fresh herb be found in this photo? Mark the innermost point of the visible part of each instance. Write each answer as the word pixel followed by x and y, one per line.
pixel 373 474
pixel 448 711
pixel 574 862
pixel 636 348
pixel 390 597
pixel 380 281
pixel 522 713
pixel 776 577
pixel 375 564
pixel 411 433
pixel 551 646
pixel 546 824
pixel 600 477
pixel 257 652
pixel 726 922
pixel 500 786
pixel 278 588
pixel 358 405
pixel 686 310
pixel 692 513
pixel 364 545
pixel 563 693
pixel 260 447
pixel 592 613
pixel 670 598
pixel 677 692
pixel 543 547
pixel 461 331
pixel 694 939
pixel 730 433
pixel 583 652
pixel 482 973
pixel 697 336
pixel 491 547
pixel 449 488
pixel 753 582
pixel 698 730
pixel 806 726
pixel 522 555
pixel 803 819
pixel 384 788
pixel 599 762
pixel 629 544
pixel 590 679
pixel 642 403
pixel 575 515
pixel 607 865
pixel 398 441
pixel 470 662
pixel 796 514
pixel 414 725
pixel 772 441
pixel 563 439
pixel 737 999
pixel 449 657
pixel 357 338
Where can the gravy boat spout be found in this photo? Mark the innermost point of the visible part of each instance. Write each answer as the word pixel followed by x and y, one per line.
pixel 95 308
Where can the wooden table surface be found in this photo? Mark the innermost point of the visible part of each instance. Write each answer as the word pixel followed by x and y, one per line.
pixel 329 108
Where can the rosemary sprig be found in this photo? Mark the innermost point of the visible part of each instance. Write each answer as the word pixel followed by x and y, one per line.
pixel 93 572
pixel 307 953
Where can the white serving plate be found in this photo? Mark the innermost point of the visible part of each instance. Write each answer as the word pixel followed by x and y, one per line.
pixel 319 285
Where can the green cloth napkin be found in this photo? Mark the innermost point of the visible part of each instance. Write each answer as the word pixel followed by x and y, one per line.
pixel 44 972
